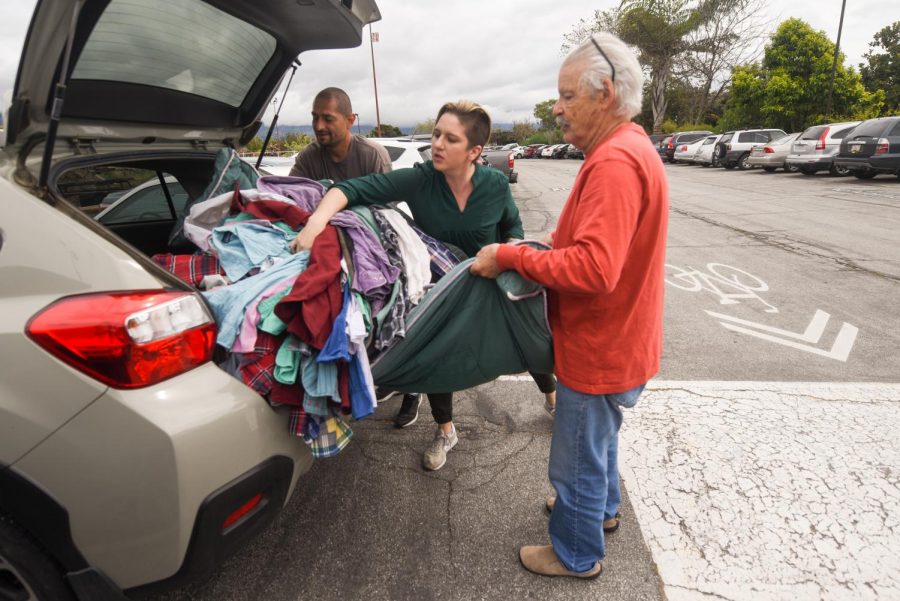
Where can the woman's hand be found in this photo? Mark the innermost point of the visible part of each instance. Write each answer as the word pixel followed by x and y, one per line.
pixel 305 237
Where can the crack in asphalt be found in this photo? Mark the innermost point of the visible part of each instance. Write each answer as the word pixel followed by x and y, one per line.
pixel 770 240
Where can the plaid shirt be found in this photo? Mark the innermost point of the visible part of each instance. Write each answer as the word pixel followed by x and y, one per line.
pixel 189 268
pixel 442 258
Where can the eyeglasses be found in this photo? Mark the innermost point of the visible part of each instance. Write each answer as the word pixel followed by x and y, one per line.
pixel 600 50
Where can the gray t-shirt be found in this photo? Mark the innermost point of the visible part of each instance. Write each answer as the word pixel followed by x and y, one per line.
pixel 364 157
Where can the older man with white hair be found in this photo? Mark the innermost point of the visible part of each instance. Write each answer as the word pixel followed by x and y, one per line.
pixel 605 275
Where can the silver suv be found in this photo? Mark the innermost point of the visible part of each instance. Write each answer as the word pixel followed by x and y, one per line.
pixel 128 460
pixel 738 144
pixel 817 146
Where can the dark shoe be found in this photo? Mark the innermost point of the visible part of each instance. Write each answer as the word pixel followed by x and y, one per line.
pixel 609 526
pixel 409 410
pixel 383 394
pixel 541 559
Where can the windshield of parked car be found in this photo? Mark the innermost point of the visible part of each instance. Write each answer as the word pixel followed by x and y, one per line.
pixel 813 133
pixel 870 128
pixel 184 45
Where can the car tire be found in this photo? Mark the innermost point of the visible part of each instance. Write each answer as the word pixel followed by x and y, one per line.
pixel 513 177
pixel 865 174
pixel 742 163
pixel 715 161
pixel 838 171
pixel 791 168
pixel 26 571
pixel 769 169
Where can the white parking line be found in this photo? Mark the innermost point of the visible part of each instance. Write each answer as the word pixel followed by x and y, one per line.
pixel 759 491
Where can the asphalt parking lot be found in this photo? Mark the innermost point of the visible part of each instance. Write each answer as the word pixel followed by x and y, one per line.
pixel 761 463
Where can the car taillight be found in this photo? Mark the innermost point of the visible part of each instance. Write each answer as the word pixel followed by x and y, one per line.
pixel 127 339
pixel 241 511
pixel 768 150
pixel 669 145
pixel 883 146
pixel 512 161
pixel 684 148
pixel 820 145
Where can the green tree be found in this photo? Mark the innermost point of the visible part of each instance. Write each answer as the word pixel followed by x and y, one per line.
pixel 387 131
pixel 658 29
pixel 789 90
pixel 522 130
pixel 882 69
pixel 423 127
pixel 543 112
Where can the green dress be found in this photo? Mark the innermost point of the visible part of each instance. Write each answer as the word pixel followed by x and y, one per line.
pixel 490 214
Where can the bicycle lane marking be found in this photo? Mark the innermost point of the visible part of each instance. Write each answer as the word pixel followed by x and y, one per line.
pixel 732 286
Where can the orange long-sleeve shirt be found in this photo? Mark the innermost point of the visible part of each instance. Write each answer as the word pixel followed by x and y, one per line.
pixel 605 272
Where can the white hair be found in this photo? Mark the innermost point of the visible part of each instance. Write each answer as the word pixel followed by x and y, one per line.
pixel 629 81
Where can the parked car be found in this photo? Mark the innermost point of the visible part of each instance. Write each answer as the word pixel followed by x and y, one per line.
pixel 705 153
pixel 146 202
pixel 547 151
pixel 741 142
pixel 872 147
pixel 532 151
pixel 574 153
pixel 129 461
pixel 686 151
pixel 816 148
pixel 405 152
pixel 662 147
pixel 561 151
pixel 681 138
pixel 657 138
pixel 771 156
pixel 502 160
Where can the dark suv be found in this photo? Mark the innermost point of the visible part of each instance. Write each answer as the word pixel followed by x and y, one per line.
pixel 681 137
pixel 872 147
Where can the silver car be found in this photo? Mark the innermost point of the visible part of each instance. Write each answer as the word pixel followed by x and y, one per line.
pixel 816 148
pixel 771 156
pixel 129 461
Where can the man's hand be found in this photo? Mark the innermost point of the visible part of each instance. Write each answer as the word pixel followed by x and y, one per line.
pixel 548 239
pixel 485 263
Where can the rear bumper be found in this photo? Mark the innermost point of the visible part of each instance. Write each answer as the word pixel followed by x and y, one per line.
pixel 888 163
pixel 810 163
pixel 765 161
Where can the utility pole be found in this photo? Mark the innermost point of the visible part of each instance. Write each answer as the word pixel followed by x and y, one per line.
pixel 373 37
pixel 837 49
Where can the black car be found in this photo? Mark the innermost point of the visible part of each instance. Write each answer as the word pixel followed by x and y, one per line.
pixel 662 146
pixel 678 138
pixel 872 147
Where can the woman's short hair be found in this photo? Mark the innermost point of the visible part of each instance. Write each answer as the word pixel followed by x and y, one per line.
pixel 629 77
pixel 475 120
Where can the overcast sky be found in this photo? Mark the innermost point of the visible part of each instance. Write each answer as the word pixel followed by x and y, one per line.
pixel 502 53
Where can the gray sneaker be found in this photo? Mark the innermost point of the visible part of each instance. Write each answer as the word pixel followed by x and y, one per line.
pixel 436 455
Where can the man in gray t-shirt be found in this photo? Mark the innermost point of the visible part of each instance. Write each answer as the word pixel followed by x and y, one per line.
pixel 337 154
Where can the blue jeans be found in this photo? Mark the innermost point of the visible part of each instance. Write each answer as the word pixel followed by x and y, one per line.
pixel 584 472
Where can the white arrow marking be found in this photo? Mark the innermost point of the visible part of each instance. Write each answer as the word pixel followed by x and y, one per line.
pixel 813 332
pixel 840 350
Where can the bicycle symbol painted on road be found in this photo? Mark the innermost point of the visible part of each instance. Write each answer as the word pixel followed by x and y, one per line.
pixel 730 284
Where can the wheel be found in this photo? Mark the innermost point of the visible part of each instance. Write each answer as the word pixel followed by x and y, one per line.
pixel 715 160
pixel 769 169
pixel 26 572
pixel 791 168
pixel 742 163
pixel 865 174
pixel 838 171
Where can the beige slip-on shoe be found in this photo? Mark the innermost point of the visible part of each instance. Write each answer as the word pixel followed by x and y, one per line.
pixel 542 560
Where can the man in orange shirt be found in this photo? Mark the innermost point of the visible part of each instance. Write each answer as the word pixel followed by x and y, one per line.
pixel 605 276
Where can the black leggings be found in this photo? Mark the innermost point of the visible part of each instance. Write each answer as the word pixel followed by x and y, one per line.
pixel 442 402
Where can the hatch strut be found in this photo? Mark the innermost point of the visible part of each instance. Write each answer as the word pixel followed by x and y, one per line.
pixel 262 151
pixel 59 96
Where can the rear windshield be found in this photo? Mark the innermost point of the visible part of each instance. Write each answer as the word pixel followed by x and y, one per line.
pixel 688 138
pixel 870 128
pixel 184 45
pixel 813 133
pixel 709 140
pixel 841 133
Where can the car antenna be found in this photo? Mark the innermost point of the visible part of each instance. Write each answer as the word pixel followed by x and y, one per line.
pixel 262 151
pixel 59 96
